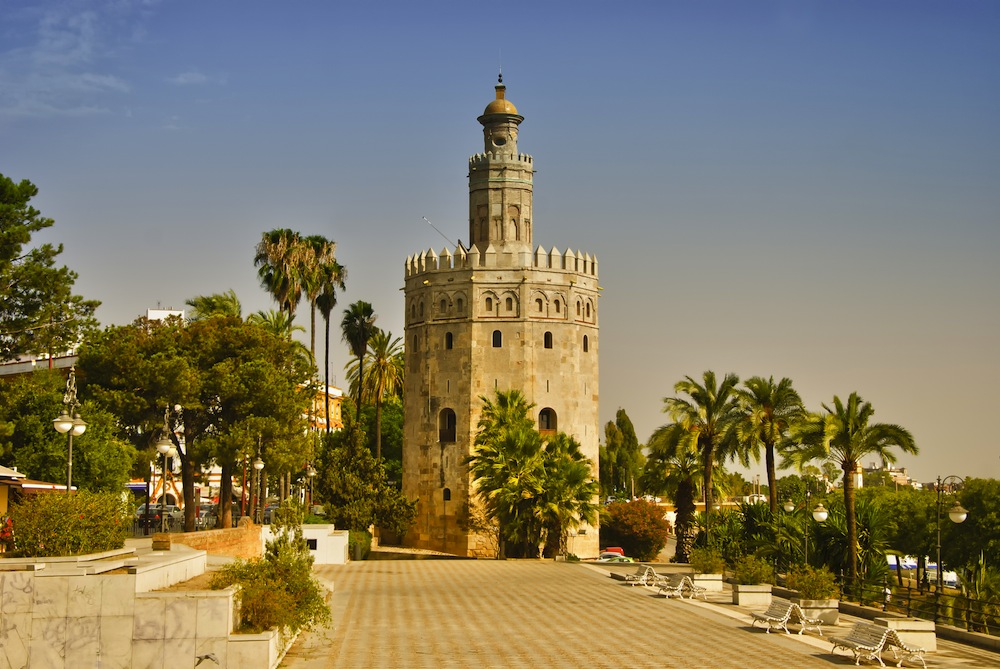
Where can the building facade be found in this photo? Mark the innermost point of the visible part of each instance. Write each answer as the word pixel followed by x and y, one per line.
pixel 496 315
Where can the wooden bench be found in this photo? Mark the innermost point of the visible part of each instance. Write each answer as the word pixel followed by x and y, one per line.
pixel 904 651
pixel 864 640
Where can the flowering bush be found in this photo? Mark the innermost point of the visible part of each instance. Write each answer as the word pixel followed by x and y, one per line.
pixel 50 525
pixel 6 533
pixel 637 526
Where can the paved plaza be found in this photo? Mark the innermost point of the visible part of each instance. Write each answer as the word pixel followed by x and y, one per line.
pixel 466 613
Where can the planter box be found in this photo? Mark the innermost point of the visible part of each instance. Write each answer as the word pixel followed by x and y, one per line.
pixel 827 611
pixel 711 582
pixel 914 631
pixel 752 596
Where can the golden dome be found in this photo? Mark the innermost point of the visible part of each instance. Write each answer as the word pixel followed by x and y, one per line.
pixel 501 105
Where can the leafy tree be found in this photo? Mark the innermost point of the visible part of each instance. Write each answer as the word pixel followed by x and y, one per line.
pixel 38 311
pixel 218 304
pixel 385 376
pixel 568 496
pixel 621 457
pixel 357 328
pixel 101 460
pixel 766 412
pixel 962 544
pixel 910 522
pixel 637 526
pixel 833 540
pixel 845 435
pixel 240 387
pixel 355 486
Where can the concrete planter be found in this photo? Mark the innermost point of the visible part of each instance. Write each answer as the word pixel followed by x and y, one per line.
pixel 752 596
pixel 711 582
pixel 827 611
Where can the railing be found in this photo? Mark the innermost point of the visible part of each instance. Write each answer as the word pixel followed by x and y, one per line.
pixel 947 607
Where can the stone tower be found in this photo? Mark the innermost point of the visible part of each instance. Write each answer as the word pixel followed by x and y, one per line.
pixel 496 315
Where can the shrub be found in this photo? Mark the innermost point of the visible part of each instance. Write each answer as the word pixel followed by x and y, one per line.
pixel 278 590
pixel 812 583
pixel 637 526
pixel 706 561
pixel 359 544
pixel 50 525
pixel 751 570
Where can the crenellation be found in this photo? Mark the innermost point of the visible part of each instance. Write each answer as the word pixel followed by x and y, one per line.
pixel 574 262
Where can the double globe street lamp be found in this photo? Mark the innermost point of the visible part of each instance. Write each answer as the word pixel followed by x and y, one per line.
pixel 165 447
pixel 70 424
pixel 956 514
pixel 819 514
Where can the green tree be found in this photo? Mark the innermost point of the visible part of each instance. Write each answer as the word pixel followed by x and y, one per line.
pixel 621 457
pixel 567 500
pixel 672 469
pixel 357 328
pixel 637 526
pixel 705 417
pixel 217 304
pixel 38 311
pixel 278 259
pixel 962 544
pixel 845 435
pixel 318 270
pixel 385 376
pixel 101 460
pixel 766 412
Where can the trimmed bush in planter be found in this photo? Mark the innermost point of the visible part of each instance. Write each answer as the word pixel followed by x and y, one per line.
pixel 753 578
pixel 818 593
pixel 53 525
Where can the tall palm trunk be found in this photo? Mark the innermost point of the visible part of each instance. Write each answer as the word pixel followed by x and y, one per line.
pixel 378 429
pixel 312 330
pixel 361 387
pixel 225 509
pixel 326 373
pixel 772 483
pixel 852 522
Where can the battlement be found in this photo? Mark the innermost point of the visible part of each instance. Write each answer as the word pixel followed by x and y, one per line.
pixel 462 258
pixel 481 159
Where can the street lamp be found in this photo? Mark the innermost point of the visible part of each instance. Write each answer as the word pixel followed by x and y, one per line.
pixel 258 465
pixel 957 515
pixel 311 473
pixel 70 425
pixel 165 447
pixel 819 514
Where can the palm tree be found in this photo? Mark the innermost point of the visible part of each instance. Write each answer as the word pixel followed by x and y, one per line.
pixel 317 269
pixel 767 411
pixel 358 326
pixel 673 470
pixel 275 322
pixel 845 435
pixel 706 417
pixel 278 261
pixel 326 301
pixel 385 376
pixel 567 499
pixel 509 411
pixel 218 304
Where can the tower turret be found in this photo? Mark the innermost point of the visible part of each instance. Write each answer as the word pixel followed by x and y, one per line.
pixel 500 186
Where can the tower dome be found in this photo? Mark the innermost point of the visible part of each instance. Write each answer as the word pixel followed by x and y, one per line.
pixel 501 105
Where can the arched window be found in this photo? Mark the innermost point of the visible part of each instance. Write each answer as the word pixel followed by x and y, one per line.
pixel 510 304
pixel 460 305
pixel 578 307
pixel 548 340
pixel 449 340
pixel 588 310
pixel 586 344
pixel 497 339
pixel 413 310
pixel 539 305
pixel 547 420
pixel 446 426
pixel 447 494
pixel 421 309
pixel 558 306
pixel 489 304
pixel 415 343
pixel 444 306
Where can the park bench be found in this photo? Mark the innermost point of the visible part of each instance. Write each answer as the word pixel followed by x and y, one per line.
pixel 780 613
pixel 864 640
pixel 904 651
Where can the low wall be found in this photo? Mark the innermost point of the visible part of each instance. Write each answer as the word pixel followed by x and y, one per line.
pixel 327 544
pixel 238 542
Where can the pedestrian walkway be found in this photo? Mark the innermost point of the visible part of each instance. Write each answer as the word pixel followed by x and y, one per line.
pixel 437 614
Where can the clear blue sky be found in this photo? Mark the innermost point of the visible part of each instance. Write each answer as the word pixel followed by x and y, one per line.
pixel 798 188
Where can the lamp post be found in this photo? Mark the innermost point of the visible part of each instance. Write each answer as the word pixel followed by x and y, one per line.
pixel 311 473
pixel 819 514
pixel 165 447
pixel 258 465
pixel 957 515
pixel 70 424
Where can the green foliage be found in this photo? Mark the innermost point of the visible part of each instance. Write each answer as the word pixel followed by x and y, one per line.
pixel 963 543
pixel 674 471
pixel 621 458
pixel 637 526
pixel 752 570
pixel 51 525
pixel 355 487
pixel 38 310
pixel 359 544
pixel 278 590
pixel 707 561
pixel 813 583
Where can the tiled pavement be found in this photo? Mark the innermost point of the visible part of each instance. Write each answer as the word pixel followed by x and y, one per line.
pixel 437 614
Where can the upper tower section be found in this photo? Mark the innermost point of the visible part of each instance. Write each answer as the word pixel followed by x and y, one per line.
pixel 500 187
